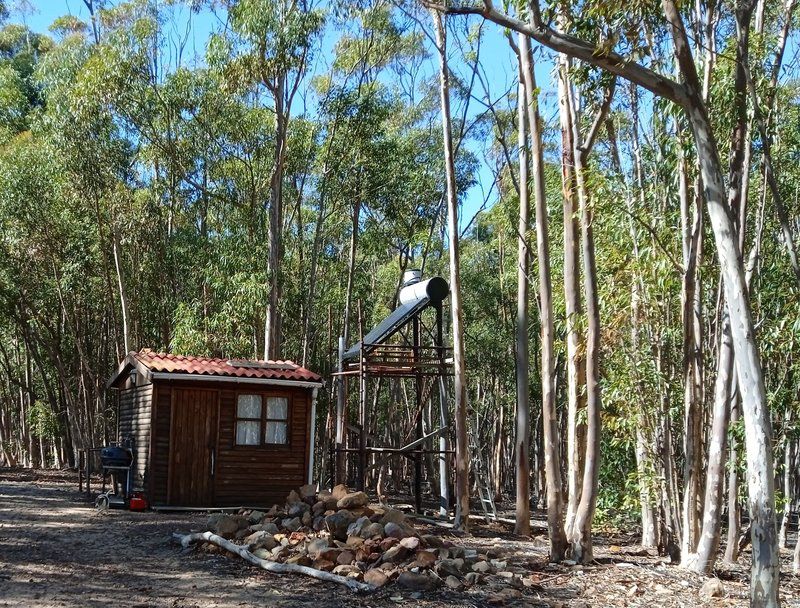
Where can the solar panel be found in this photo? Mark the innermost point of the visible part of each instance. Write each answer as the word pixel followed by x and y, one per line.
pixel 390 325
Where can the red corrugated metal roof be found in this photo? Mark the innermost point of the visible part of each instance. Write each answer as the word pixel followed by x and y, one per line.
pixel 241 368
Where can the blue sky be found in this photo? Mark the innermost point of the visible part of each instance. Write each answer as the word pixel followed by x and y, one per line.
pixel 496 56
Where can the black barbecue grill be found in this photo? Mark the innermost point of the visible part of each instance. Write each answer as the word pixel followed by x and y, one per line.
pixel 115 456
pixel 118 461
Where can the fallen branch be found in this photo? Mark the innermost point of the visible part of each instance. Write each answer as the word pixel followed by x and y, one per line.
pixel 273 567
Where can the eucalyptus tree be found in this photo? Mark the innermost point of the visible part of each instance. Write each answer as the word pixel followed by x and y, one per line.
pixel 270 42
pixel 688 95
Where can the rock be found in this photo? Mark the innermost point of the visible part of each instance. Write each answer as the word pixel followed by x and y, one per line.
pixel 346 570
pixel 297 509
pixel 362 512
pixel 452 583
pixel 456 551
pixel 376 577
pixel 339 492
pixel 395 554
pixel 330 503
pixel 213 519
pixel 308 491
pixel 267 527
pixel 329 554
pixel 319 523
pixel 260 539
pixel 337 524
pixel 473 578
pixel 317 545
pixel 397 531
pixel 293 498
pixel 300 560
pixel 255 517
pixel 450 566
pixel 292 524
pixel 323 564
pixel 496 563
pixel 393 516
pixel 373 530
pixel 242 533
pixel 345 557
pixel 712 588
pixel 352 501
pixel 431 540
pixel 354 541
pixel 226 526
pixel 507 596
pixel 423 559
pixel 482 567
pixel 318 508
pixel 262 553
pixel 387 543
pixel 416 581
pixel 358 526
pixel 505 574
pixel 411 543
pixel 296 538
pixel 307 518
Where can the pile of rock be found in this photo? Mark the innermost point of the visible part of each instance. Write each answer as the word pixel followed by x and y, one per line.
pixel 341 532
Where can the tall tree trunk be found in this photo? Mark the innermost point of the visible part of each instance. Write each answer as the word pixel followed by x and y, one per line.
pixel 708 542
pixel 523 431
pixel 758 429
pixel 456 309
pixel 580 534
pixel 272 330
pixel 123 302
pixel 709 539
pixel 576 375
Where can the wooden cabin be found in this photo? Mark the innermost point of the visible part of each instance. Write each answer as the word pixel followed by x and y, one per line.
pixel 216 432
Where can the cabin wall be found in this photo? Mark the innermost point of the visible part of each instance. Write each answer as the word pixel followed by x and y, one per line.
pixel 262 475
pixel 243 475
pixel 133 429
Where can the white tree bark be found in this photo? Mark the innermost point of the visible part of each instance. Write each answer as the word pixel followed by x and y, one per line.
pixel 523 467
pixel 273 567
pixel 456 309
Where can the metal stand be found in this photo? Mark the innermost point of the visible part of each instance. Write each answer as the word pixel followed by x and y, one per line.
pixel 427 365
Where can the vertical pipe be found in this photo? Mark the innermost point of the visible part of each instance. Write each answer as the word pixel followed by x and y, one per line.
pixel 312 436
pixel 444 494
pixel 340 405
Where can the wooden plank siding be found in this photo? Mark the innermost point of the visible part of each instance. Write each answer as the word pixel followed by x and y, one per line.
pixel 161 426
pixel 261 475
pixel 133 430
pixel 243 475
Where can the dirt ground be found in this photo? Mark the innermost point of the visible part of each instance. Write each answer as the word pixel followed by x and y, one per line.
pixel 56 550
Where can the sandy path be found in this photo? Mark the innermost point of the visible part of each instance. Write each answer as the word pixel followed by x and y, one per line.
pixel 55 550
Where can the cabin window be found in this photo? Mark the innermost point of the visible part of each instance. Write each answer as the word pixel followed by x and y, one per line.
pixel 277 421
pixel 248 420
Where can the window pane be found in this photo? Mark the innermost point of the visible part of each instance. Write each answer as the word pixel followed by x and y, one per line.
pixel 248 432
pixel 249 406
pixel 276 432
pixel 277 408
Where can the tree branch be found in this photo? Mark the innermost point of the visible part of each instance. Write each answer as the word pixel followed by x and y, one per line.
pixel 615 63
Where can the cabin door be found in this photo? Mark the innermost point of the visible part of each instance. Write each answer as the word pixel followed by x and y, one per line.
pixel 193 442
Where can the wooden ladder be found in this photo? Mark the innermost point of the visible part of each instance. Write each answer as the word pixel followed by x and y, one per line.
pixel 482 481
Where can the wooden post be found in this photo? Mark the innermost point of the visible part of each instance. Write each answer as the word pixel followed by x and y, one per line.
pixel 418 401
pixel 362 405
